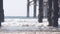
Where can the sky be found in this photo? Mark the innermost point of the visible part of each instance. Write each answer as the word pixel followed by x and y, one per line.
pixel 16 8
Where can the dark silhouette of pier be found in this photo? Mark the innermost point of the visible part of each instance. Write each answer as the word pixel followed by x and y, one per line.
pixel 52 13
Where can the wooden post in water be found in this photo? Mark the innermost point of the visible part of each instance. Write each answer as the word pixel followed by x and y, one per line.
pixel 35 3
pixel 40 15
pixel 28 8
pixel 50 12
pixel 56 10
pixel 1 12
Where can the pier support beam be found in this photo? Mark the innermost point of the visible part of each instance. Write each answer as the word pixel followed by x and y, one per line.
pixel 53 20
pixel 28 4
pixel 35 3
pixel 40 15
pixel 50 12
pixel 56 10
pixel 1 12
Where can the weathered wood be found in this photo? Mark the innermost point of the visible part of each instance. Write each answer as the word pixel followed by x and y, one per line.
pixel 28 8
pixel 1 12
pixel 40 15
pixel 53 20
pixel 50 12
pixel 35 3
pixel 56 10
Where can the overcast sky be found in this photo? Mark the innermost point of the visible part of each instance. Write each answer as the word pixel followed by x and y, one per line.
pixel 16 8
